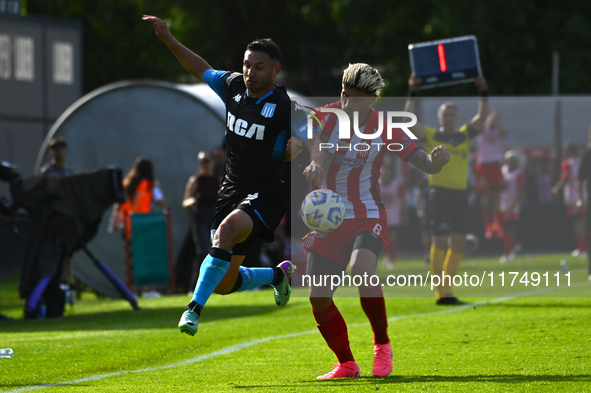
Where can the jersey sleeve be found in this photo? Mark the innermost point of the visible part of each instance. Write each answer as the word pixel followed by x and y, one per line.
pixel 219 81
pixel 299 121
pixel 405 146
pixel 469 131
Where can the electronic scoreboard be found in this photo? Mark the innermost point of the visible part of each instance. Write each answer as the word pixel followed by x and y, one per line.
pixel 445 62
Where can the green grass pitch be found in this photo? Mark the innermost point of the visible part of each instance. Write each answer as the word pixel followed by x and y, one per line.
pixel 247 344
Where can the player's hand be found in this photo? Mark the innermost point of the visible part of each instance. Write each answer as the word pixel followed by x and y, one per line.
pixel 414 82
pixel 579 203
pixel 160 27
pixel 294 147
pixel 420 212
pixel 314 173
pixel 480 82
pixel 440 156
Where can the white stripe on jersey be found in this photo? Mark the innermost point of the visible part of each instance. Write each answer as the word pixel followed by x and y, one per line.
pixel 351 160
pixel 309 241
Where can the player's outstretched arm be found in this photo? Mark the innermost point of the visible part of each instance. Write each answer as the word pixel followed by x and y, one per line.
pixel 497 123
pixel 478 120
pixel 413 83
pixel 192 62
pixel 430 163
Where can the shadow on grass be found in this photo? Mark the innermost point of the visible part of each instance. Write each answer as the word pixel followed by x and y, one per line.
pixel 394 379
pixel 146 318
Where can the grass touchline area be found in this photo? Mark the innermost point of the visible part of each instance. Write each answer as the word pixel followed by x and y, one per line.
pixel 528 344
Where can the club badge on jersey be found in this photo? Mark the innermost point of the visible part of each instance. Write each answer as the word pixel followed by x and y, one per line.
pixel 268 110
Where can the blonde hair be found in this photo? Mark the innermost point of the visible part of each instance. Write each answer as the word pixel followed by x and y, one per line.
pixel 363 77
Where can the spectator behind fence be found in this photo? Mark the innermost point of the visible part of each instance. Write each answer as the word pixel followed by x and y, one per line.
pixel 58 150
pixel 143 195
pixel 489 179
pixel 200 198
pixel 567 182
pixel 583 176
pixel 510 204
pixel 545 180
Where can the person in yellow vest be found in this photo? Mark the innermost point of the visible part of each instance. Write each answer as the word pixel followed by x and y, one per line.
pixel 448 194
pixel 142 192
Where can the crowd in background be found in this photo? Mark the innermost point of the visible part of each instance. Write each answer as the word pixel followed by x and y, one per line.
pixel 540 174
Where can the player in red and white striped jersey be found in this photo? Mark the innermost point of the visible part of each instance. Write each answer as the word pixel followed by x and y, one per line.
pixel 354 174
pixel 352 169
pixel 567 182
pixel 510 204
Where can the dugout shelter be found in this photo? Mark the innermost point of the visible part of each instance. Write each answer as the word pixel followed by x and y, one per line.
pixel 113 125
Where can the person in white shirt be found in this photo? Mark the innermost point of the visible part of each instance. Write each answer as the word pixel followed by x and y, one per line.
pixel 489 179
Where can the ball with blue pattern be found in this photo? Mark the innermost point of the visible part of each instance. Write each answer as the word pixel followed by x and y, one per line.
pixel 323 210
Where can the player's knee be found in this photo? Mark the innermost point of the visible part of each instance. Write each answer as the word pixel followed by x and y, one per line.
pixel 230 232
pixel 225 235
pixel 360 269
pixel 320 303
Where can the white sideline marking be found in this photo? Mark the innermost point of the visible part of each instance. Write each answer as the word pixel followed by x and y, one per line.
pixel 238 347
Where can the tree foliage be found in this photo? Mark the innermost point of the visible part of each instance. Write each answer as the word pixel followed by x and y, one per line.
pixel 320 37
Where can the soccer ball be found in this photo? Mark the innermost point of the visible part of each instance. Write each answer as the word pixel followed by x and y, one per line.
pixel 323 210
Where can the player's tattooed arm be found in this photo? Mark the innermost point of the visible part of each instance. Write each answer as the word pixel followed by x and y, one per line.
pixel 430 163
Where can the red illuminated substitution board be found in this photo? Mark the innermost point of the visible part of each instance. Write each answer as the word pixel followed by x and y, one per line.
pixel 445 62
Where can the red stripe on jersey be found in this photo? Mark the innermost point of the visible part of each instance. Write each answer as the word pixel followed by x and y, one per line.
pixel 353 180
pixel 375 189
pixel 342 175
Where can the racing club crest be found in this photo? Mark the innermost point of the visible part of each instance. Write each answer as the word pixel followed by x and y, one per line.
pixel 268 109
